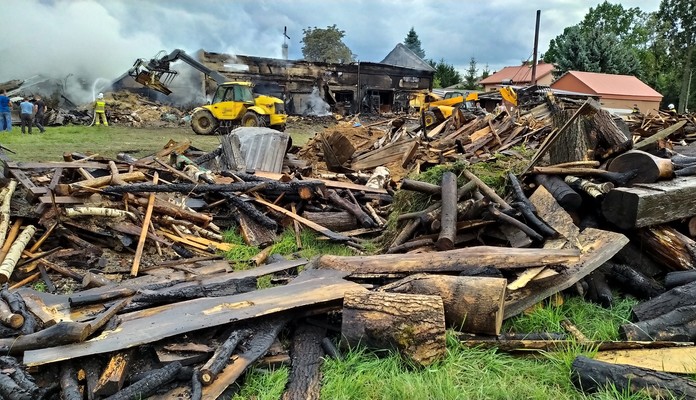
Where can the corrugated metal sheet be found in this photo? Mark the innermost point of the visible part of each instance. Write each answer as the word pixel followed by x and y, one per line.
pixel 263 148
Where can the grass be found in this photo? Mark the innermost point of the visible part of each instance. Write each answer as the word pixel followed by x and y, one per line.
pixel 106 141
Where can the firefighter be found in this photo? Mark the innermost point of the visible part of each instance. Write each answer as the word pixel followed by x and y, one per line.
pixel 100 110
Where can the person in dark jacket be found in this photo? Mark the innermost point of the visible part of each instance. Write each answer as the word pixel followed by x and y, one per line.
pixel 39 110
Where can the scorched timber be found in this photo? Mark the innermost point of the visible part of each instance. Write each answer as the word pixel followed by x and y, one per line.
pixel 157 323
pixel 268 186
pixel 449 261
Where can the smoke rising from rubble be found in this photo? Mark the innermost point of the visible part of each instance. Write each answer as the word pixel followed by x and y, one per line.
pixel 316 105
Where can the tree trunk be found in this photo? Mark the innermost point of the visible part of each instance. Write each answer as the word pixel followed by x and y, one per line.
pixel 412 324
pixel 591 376
pixel 571 145
pixel 448 216
pixel 650 168
pixel 472 304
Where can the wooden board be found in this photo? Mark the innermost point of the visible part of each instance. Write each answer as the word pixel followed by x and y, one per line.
pixel 153 324
pixel 675 360
pixel 596 247
pixel 385 155
pixel 57 164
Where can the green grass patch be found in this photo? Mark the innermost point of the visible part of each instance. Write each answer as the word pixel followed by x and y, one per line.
pixel 105 141
pixel 261 384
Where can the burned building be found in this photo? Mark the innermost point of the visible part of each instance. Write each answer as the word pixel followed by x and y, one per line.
pixel 346 88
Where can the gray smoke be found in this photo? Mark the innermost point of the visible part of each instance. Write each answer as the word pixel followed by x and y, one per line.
pixel 315 105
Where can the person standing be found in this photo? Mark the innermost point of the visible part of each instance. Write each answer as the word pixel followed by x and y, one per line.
pixel 26 114
pixel 39 110
pixel 100 110
pixel 5 112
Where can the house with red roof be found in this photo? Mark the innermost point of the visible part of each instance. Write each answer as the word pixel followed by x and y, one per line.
pixel 520 75
pixel 614 91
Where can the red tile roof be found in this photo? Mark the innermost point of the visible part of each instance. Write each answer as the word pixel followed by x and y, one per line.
pixel 609 84
pixel 518 74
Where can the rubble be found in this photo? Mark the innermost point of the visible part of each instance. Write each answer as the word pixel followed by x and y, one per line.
pixel 127 247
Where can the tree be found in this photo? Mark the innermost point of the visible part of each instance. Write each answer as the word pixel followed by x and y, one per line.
pixel 413 43
pixel 486 72
pixel 680 22
pixel 326 45
pixel 445 74
pixel 471 77
pixel 591 51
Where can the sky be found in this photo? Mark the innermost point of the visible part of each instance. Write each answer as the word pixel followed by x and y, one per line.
pixel 101 39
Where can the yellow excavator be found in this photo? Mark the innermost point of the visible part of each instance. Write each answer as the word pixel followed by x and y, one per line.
pixel 234 104
pixel 436 109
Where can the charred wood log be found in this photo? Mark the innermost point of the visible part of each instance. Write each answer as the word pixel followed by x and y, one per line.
pixel 504 218
pixel 650 168
pixel 8 318
pixel 677 325
pixel 251 211
pixel 412 324
pixel 146 387
pixel 330 349
pixel 490 272
pixel 19 375
pixel 61 333
pixel 679 296
pixel 336 221
pixel 678 278
pixel 595 190
pixel 421 187
pixel 10 390
pixel 414 244
pixel 276 187
pixel 196 385
pixel 362 217
pixel 17 306
pixel 564 195
pixel 591 376
pixel 598 289
pixel 221 357
pixel 617 178
pixel 634 282
pixel 70 389
pixel 306 354
pixel 527 208
pixel 669 246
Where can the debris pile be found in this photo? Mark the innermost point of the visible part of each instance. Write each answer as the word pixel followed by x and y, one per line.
pixel 128 251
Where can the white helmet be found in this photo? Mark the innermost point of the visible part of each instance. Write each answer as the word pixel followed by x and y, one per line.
pixel 100 96
pixel 671 106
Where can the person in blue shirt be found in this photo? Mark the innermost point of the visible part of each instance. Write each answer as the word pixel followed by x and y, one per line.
pixel 5 112
pixel 26 114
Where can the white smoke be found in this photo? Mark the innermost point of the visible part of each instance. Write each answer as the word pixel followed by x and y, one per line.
pixel 315 105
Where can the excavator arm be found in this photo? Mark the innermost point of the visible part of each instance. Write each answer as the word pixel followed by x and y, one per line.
pixel 157 74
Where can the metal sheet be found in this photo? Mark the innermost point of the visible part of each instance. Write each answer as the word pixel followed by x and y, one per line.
pixel 263 148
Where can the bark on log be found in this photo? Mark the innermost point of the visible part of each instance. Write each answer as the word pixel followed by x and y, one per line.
pixel 487 191
pixel 335 221
pixel 668 246
pixel 274 187
pixel 592 376
pixel 598 289
pixel 362 217
pixel 61 333
pixel 162 207
pixel 12 368
pixel 679 278
pixel 472 304
pixel 633 281
pixel 680 296
pixel 448 216
pixel 449 261
pixel 564 195
pixel 222 355
pixel 67 189
pixel 596 190
pixel 145 387
pixel 8 318
pixel 17 306
pixel 307 355
pixel 676 325
pixel 412 324
pixel 92 368
pixel 618 178
pixel 82 299
pixel 421 187
pixel 650 168
pixel 70 389
pixel 196 385
pixel 10 390
pixel 651 204
pixel 15 252
pixel 5 210
pixel 527 208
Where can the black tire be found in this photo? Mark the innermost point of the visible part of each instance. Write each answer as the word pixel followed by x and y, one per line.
pixel 203 122
pixel 430 118
pixel 253 119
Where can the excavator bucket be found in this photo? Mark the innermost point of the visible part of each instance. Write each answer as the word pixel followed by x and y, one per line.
pixel 152 80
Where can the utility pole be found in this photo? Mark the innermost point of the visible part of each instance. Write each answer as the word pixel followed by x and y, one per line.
pixel 688 91
pixel 285 43
pixel 536 47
